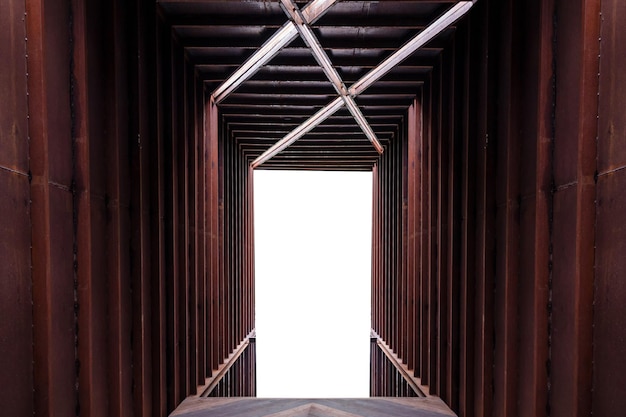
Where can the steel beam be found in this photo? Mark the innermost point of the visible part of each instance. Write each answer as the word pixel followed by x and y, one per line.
pixel 452 15
pixel 280 39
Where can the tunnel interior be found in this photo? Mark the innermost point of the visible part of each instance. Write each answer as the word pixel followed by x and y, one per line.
pixel 127 218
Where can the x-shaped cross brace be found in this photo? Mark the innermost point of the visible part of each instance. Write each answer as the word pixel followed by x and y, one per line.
pixel 333 76
pixel 299 23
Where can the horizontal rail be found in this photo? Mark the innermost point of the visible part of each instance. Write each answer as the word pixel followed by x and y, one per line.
pixel 414 382
pixel 219 373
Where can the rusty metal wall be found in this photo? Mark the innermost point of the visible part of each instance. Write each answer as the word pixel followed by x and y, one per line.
pixel 509 301
pixel 126 250
pixel 16 338
pixel 387 301
pixel 609 319
pixel 126 261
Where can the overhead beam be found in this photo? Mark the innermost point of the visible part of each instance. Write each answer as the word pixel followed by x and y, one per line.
pixel 281 38
pixel 440 24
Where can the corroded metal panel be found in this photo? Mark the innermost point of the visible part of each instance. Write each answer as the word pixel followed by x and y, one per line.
pixel 90 212
pixel 15 293
pixel 483 70
pixel 610 238
pixel 496 249
pixel 612 88
pixel 574 214
pixel 610 292
pixel 16 339
pixel 507 142
pixel 54 315
pixel 13 122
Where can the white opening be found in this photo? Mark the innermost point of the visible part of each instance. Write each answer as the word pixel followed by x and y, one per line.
pixel 313 283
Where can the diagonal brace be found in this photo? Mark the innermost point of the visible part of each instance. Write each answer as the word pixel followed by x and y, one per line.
pixel 283 37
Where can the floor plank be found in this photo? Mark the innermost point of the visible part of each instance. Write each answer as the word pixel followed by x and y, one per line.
pixel 361 407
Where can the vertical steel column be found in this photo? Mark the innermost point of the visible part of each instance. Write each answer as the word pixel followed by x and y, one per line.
pixel 610 266
pixel 454 75
pixel 182 176
pixel 16 343
pixel 162 295
pixel 118 226
pixel 482 70
pixel 576 127
pixel 433 226
pixel 142 126
pixel 221 314
pixel 173 232
pixel 445 89
pixel 53 274
pixel 425 235
pixel 468 228
pixel 403 252
pixel 201 270
pixel 212 173
pixel 190 227
pixel 410 257
pixel 374 296
pixel 535 136
pixel 507 215
pixel 455 220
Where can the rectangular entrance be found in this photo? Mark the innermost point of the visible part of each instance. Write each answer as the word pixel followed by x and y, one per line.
pixel 313 283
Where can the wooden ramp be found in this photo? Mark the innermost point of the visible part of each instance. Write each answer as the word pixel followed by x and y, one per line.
pixel 363 407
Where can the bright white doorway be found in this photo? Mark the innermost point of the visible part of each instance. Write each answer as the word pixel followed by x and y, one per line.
pixel 313 283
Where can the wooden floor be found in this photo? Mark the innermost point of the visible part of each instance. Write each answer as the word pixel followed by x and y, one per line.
pixel 363 407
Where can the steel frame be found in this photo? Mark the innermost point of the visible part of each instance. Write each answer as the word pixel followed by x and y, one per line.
pixel 347 95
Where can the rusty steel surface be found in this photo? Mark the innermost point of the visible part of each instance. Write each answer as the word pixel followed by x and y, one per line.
pixel 52 241
pixel 507 214
pixel 449 195
pixel 127 248
pixel 466 236
pixel 90 223
pixel 114 217
pixel 574 212
pixel 16 339
pixel 610 266
pixel 535 205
